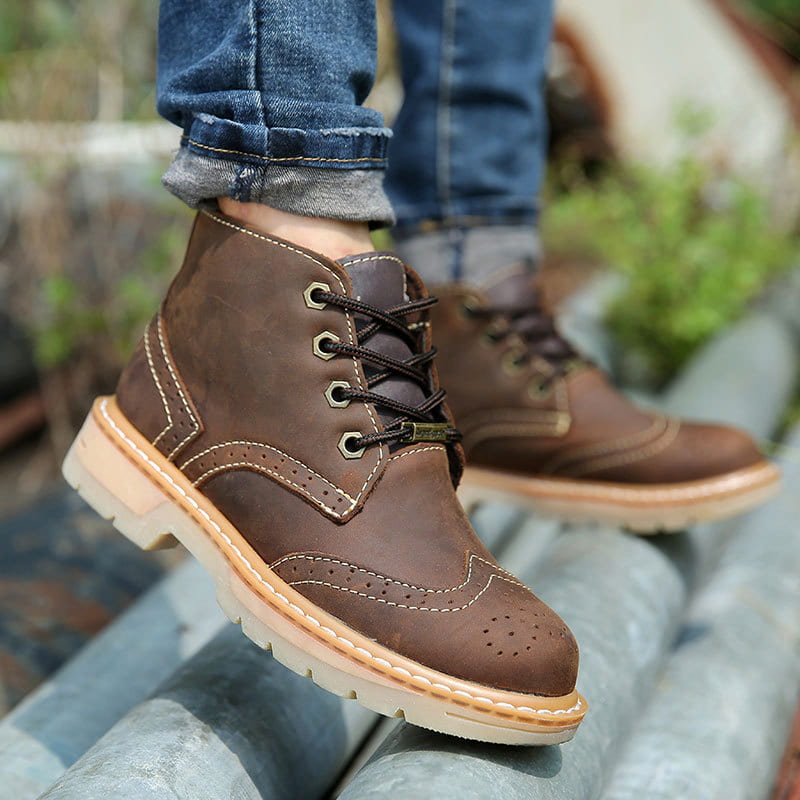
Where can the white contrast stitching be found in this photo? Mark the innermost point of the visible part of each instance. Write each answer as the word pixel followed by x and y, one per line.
pixel 403 605
pixel 510 428
pixel 346 262
pixel 346 642
pixel 377 159
pixel 417 450
pixel 657 426
pixel 559 422
pixel 281 478
pixel 377 576
pixel 348 319
pixel 186 406
pixel 223 445
pixel 157 382
pixel 657 446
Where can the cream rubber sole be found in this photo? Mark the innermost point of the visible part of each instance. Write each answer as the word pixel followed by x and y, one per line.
pixel 639 508
pixel 125 479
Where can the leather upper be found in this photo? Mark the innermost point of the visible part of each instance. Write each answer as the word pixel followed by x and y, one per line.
pixel 530 414
pixel 227 385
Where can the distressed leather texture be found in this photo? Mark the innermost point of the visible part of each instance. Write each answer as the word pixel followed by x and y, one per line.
pixel 226 385
pixel 533 419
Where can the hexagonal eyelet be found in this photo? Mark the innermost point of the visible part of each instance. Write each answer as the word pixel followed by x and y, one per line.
pixel 469 305
pixel 574 365
pixel 538 390
pixel 319 339
pixel 332 401
pixel 495 333
pixel 344 450
pixel 512 361
pixel 310 302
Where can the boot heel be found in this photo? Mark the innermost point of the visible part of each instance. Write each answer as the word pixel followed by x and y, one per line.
pixel 112 485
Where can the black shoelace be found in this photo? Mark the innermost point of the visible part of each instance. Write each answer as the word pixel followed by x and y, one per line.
pixel 411 421
pixel 536 333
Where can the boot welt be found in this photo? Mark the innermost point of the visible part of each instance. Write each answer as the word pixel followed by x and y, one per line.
pixel 126 480
pixel 641 508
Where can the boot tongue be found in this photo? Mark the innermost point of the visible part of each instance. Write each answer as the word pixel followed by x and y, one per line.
pixel 514 290
pixel 380 280
pixel 377 278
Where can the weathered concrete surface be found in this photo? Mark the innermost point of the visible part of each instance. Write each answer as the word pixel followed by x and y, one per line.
pixel 717 724
pixel 57 723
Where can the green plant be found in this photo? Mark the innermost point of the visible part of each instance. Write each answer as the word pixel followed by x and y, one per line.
pixel 694 249
pixel 76 320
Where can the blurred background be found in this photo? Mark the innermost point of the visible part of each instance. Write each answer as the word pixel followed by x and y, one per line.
pixel 674 166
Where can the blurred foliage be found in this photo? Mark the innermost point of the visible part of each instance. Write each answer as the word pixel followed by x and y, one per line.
pixel 74 60
pixel 694 249
pixel 70 323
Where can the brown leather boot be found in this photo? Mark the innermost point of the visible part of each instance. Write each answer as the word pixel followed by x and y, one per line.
pixel 543 426
pixel 282 419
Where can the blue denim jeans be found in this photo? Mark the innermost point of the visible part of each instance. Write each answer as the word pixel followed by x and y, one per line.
pixel 269 97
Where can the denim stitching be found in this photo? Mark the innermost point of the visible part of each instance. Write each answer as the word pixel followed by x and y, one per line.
pixel 443 112
pixel 254 51
pixel 285 158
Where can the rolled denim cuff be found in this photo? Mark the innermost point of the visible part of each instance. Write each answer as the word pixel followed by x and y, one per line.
pixel 336 174
pixel 469 254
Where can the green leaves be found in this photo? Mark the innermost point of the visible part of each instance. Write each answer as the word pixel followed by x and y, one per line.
pixel 74 316
pixel 695 249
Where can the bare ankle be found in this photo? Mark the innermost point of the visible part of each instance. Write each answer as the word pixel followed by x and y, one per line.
pixel 332 237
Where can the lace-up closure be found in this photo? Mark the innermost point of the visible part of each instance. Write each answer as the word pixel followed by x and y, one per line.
pixel 413 423
pixel 532 332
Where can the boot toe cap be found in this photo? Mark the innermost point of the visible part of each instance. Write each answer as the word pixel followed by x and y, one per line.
pixel 522 645
pixel 710 450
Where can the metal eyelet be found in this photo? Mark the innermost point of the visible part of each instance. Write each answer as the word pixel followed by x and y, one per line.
pixel 495 332
pixel 310 302
pixel 574 365
pixel 538 390
pixel 468 306
pixel 332 401
pixel 511 361
pixel 319 339
pixel 344 450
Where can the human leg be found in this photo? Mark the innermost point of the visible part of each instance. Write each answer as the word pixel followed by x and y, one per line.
pixel 468 153
pixel 539 423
